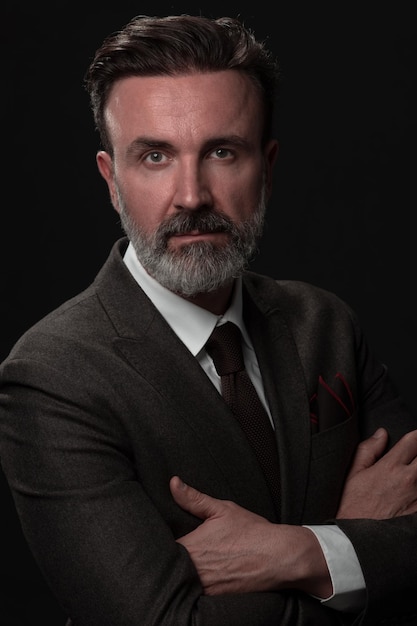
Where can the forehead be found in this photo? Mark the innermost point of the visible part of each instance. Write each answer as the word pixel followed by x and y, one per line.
pixel 190 105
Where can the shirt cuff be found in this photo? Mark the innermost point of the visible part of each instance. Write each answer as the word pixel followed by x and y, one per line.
pixel 349 589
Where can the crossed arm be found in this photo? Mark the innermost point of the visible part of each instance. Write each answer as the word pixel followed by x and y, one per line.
pixel 237 551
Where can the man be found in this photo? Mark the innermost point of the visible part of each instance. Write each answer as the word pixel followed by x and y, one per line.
pixel 112 401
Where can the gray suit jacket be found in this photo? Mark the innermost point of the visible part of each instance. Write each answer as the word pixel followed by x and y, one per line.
pixel 101 403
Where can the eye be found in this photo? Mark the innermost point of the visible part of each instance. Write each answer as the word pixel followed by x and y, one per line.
pixel 222 153
pixel 155 157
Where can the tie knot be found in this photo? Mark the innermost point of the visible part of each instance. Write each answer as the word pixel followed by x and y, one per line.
pixel 225 348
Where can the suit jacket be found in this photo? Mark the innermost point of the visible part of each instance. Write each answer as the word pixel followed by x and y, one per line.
pixel 101 403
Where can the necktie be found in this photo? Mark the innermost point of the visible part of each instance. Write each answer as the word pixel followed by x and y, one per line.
pixel 225 348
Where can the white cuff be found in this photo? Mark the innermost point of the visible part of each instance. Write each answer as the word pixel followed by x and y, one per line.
pixel 349 590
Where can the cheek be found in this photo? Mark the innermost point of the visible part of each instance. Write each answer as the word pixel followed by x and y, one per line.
pixel 147 206
pixel 244 200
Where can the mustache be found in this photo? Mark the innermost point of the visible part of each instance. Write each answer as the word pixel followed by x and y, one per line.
pixel 205 220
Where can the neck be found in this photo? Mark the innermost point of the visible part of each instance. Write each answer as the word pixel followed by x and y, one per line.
pixel 216 302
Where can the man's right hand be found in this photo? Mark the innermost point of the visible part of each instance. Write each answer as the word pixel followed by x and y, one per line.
pixel 381 486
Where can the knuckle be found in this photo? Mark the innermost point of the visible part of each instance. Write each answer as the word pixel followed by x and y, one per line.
pixel 410 480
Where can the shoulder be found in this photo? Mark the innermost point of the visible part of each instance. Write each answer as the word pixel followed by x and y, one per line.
pixel 310 314
pixel 78 320
pixel 58 335
pixel 293 296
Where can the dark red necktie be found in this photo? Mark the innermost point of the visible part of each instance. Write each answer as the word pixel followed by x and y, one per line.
pixel 225 348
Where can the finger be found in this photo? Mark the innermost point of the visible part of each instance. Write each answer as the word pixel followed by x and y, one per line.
pixel 369 451
pixel 405 450
pixel 195 502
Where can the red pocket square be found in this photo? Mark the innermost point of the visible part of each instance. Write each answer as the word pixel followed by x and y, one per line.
pixel 330 405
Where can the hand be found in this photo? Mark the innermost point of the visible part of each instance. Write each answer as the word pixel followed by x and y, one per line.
pixel 236 551
pixel 381 486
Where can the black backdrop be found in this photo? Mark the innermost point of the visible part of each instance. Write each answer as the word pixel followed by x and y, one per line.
pixel 342 210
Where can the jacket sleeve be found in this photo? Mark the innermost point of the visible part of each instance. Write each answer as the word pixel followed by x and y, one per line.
pixel 387 554
pixel 105 549
pixel 386 549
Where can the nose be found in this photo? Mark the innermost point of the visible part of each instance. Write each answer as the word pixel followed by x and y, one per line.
pixel 192 187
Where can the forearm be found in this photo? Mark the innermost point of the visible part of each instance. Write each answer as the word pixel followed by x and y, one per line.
pixel 110 556
pixel 237 551
pixel 284 557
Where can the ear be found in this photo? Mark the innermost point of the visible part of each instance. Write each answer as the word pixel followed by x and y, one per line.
pixel 105 167
pixel 271 155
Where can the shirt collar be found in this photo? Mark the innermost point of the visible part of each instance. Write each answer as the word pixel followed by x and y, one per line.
pixel 191 323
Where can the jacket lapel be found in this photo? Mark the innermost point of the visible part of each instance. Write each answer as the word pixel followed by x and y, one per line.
pixel 172 372
pixel 156 353
pixel 147 342
pixel 286 393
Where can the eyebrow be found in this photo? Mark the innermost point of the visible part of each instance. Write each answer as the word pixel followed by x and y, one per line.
pixel 145 143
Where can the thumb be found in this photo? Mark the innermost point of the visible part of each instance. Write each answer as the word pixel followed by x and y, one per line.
pixel 195 502
pixel 369 451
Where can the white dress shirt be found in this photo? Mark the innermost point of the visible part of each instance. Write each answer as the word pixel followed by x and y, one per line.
pixel 194 325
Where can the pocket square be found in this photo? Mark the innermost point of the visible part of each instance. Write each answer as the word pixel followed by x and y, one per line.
pixel 330 405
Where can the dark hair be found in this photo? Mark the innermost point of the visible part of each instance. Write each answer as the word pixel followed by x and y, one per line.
pixel 179 44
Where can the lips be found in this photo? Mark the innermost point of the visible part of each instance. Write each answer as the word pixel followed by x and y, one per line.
pixel 196 233
pixel 194 236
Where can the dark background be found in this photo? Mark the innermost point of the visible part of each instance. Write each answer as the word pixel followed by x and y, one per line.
pixel 342 214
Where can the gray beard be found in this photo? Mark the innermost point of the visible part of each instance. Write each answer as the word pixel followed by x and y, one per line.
pixel 198 267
